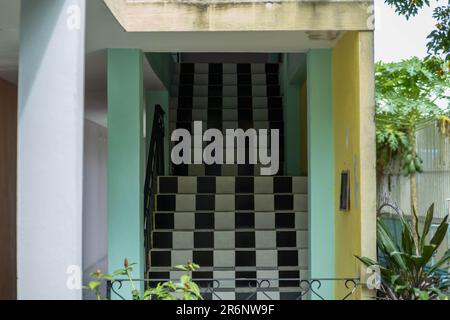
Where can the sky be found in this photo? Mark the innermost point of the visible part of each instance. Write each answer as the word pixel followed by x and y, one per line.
pixel 396 38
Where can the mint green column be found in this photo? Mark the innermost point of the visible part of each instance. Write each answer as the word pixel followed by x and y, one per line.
pixel 125 160
pixel 161 97
pixel 321 168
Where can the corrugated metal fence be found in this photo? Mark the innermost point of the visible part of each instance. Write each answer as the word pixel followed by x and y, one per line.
pixel 433 185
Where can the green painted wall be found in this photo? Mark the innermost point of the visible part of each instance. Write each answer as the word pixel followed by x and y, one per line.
pixel 125 159
pixel 164 67
pixel 321 167
pixel 292 74
pixel 161 97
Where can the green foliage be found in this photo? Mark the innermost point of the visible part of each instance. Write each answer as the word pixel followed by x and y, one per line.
pixel 405 268
pixel 185 289
pixel 409 93
pixel 439 38
pixel 408 8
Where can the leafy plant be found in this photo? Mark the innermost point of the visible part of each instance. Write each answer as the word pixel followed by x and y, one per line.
pixel 409 94
pixel 185 289
pixel 439 38
pixel 406 269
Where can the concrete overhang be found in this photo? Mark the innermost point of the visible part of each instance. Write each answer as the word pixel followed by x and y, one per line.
pixel 319 16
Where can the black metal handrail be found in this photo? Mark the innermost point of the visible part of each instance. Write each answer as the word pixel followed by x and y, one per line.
pixel 155 168
pixel 304 289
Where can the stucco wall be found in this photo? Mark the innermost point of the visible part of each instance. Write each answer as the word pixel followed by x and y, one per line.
pixel 354 141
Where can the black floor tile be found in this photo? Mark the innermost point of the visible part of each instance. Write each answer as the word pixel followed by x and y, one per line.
pixel 245 220
pixel 162 240
pixel 168 185
pixel 164 221
pixel 245 202
pixel 166 203
pixel 284 220
pixel 203 258
pixel 244 185
pixel 284 202
pixel 246 258
pixel 205 202
pixel 203 240
pixel 286 239
pixel 245 239
pixel 282 185
pixel 161 258
pixel 206 185
pixel 204 220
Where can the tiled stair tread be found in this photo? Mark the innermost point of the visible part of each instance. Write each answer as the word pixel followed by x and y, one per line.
pixel 231 116
pixel 226 96
pixel 243 193
pixel 234 268
pixel 242 202
pixel 227 80
pixel 230 103
pixel 226 72
pixel 198 107
pixel 233 229
pixel 225 122
pixel 232 249
pixel 226 86
pixel 231 184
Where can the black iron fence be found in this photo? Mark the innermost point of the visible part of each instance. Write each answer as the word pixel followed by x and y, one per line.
pixel 256 289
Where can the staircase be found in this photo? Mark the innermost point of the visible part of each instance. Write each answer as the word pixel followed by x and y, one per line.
pixel 241 228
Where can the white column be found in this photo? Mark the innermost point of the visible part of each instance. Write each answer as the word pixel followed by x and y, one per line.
pixel 50 149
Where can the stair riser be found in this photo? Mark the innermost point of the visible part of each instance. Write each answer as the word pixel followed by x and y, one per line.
pixel 232 115
pixel 226 103
pixel 231 240
pixel 227 68
pixel 231 221
pixel 224 202
pixel 261 79
pixel 220 170
pixel 261 259
pixel 259 91
pixel 231 185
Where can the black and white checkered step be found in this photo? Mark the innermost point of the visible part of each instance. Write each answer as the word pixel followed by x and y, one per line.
pixel 205 115
pixel 231 202
pixel 253 259
pixel 228 68
pixel 236 224
pixel 233 103
pixel 230 239
pixel 227 79
pixel 233 185
pixel 217 170
pixel 226 221
pixel 222 125
pixel 227 96
pixel 217 91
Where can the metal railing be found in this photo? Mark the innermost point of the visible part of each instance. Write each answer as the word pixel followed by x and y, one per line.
pixel 155 168
pixel 256 289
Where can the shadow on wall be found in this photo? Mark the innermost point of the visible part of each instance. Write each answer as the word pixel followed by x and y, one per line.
pixel 95 233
